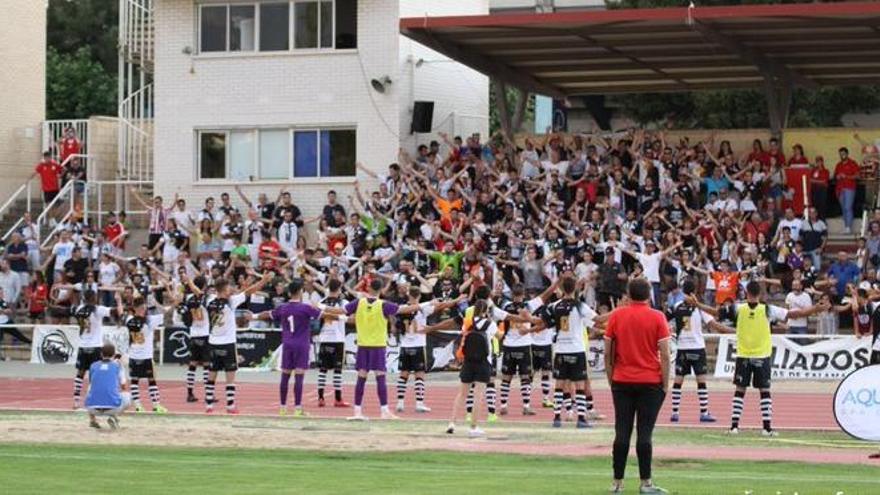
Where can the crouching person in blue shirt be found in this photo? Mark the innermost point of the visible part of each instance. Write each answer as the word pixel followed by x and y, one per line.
pixel 108 389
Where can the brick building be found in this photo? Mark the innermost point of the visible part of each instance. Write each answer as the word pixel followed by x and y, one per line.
pixel 266 93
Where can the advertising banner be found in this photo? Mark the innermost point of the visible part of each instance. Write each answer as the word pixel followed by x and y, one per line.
pixel 58 344
pixel 857 404
pixel 829 359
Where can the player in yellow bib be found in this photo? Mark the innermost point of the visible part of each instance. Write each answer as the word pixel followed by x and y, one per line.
pixel 371 321
pixel 754 348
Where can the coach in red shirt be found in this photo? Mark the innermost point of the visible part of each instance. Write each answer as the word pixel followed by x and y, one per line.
pixel 846 172
pixel 637 365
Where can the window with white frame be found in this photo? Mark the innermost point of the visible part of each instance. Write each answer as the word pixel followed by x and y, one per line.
pixel 244 155
pixel 273 26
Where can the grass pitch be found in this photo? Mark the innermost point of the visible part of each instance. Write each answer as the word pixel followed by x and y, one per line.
pixel 73 469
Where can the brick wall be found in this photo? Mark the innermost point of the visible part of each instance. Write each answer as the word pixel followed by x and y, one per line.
pixel 23 83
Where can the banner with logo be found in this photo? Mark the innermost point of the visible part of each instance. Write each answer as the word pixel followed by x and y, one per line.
pixel 255 347
pixel 58 344
pixel 857 404
pixel 830 359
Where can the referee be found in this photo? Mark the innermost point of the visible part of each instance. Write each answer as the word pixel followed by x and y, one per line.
pixel 639 378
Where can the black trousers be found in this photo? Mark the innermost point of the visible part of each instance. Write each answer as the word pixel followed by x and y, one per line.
pixel 639 405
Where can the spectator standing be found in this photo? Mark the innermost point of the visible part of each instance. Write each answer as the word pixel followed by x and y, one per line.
pixel 158 216
pixel 17 256
pixel 814 235
pixel 69 145
pixel 637 366
pixel 10 283
pixel 50 172
pixel 843 272
pixel 845 173
pixel 819 177
pixel 797 299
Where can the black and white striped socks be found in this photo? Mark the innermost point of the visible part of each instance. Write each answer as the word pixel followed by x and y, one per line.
pixel 490 397
pixel 190 378
pixel 337 384
pixel 505 392
pixel 580 398
pixel 401 387
pixel 420 390
pixel 322 382
pixel 557 403
pixel 766 409
pixel 209 393
pixel 703 394
pixel 154 393
pixel 737 409
pixel 676 397
pixel 77 389
pixel 230 396
pixel 135 392
pixel 525 389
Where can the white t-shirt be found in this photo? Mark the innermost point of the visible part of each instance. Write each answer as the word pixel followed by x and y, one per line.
pixel 571 330
pixel 794 224
pixel 184 221
pixel 513 337
pixel 332 327
pixel 107 273
pixel 545 336
pixel 140 344
pixel 222 317
pixel 691 337
pixel 412 337
pixel 798 301
pixel 651 265
pixel 92 328
pixel 63 251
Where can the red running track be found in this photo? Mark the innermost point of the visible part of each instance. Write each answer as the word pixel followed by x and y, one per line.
pixel 791 410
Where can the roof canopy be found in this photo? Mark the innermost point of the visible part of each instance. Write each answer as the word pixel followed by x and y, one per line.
pixel 671 49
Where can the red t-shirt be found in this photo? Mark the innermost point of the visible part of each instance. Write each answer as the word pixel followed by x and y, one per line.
pixel 846 167
pixel 69 146
pixel 636 329
pixel 49 173
pixel 820 176
pixel 798 160
pixel 39 298
pixel 112 232
pixel 268 249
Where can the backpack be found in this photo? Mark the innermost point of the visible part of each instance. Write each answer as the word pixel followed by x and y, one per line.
pixel 475 347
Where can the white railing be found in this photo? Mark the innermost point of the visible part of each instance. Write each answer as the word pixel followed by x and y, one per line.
pixel 68 190
pixel 29 189
pixel 96 190
pixel 136 30
pixel 55 130
pixel 135 135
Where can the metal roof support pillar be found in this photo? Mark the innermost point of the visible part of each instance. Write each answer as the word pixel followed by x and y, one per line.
pixel 778 95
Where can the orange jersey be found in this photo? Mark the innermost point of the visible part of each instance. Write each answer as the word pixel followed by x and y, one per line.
pixel 726 286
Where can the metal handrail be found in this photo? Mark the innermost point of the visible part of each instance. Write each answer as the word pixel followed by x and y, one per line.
pixel 68 188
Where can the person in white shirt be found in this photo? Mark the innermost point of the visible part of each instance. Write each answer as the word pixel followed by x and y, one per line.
pixel 90 320
pixel 792 222
pixel 798 299
pixel 688 321
pixel 141 330
pixel 516 352
pixel 331 348
pixel 650 261
pixel 222 339
pixel 288 233
pixel 413 347
pixel 572 320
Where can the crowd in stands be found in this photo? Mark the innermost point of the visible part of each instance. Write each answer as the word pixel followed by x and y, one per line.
pixel 460 214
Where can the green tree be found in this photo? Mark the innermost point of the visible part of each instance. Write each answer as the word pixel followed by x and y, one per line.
pixel 77 86
pixel 495 117
pixel 93 24
pixel 739 108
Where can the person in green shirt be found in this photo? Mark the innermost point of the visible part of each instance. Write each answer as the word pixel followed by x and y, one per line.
pixel 447 257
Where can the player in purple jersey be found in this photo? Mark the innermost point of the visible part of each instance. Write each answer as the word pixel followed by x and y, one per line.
pixel 295 318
